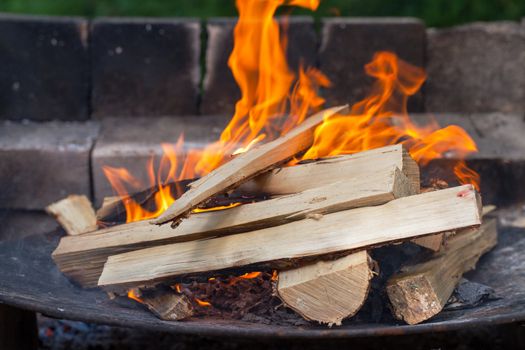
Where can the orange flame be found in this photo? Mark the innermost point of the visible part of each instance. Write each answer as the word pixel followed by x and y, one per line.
pixel 274 100
pixel 250 275
pixel 269 90
pixel 381 119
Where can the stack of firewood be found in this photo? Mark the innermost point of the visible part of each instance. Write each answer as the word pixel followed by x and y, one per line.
pixel 316 229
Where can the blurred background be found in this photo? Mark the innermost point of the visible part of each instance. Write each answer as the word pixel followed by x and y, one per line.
pixel 436 13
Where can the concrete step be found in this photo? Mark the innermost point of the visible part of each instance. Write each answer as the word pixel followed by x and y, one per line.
pixel 43 162
pixel 131 142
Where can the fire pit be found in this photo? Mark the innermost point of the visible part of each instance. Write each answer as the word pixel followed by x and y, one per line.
pixel 50 293
pixel 305 217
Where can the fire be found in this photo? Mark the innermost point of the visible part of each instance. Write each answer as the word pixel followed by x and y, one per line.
pixel 275 99
pixel 169 169
pixel 270 90
pixel 381 119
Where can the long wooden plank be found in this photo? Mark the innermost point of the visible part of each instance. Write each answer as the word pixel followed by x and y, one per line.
pixel 247 165
pixel 290 180
pixel 436 242
pixel 348 230
pixel 421 291
pixel 82 258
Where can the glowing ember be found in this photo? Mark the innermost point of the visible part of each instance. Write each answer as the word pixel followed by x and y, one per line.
pixel 134 296
pixel 250 275
pixel 275 99
pixel 222 207
pixel 202 302
pixel 275 275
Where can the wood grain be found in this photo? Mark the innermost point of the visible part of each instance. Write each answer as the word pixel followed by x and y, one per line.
pixel 82 258
pixel 354 229
pixel 75 214
pixel 327 291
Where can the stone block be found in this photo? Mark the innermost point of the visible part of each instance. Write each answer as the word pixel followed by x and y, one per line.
pixel 348 44
pixel 476 68
pixel 220 91
pixel 44 162
pixel 500 159
pixel 145 66
pixel 131 142
pixel 44 68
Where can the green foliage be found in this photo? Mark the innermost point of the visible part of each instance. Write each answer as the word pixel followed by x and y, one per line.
pixel 433 12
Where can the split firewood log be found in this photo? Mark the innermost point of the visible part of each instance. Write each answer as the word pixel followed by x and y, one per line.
pixel 75 214
pixel 327 291
pixel 421 291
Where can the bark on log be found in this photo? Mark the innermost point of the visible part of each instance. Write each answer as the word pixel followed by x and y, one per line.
pixel 327 291
pixel 421 291
pixel 75 214
pixel 398 220
pixel 247 165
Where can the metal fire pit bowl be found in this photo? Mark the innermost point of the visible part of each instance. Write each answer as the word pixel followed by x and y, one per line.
pixel 30 280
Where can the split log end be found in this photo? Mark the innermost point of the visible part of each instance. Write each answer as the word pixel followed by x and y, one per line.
pixel 75 214
pixel 327 291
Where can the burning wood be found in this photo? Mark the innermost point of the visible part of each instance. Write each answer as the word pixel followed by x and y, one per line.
pixel 401 219
pixel 333 169
pixel 422 290
pixel 82 258
pixel 75 214
pixel 327 291
pixel 109 206
pixel 247 165
pixel 312 228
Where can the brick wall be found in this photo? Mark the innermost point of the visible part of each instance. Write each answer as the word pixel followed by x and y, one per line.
pixel 77 94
